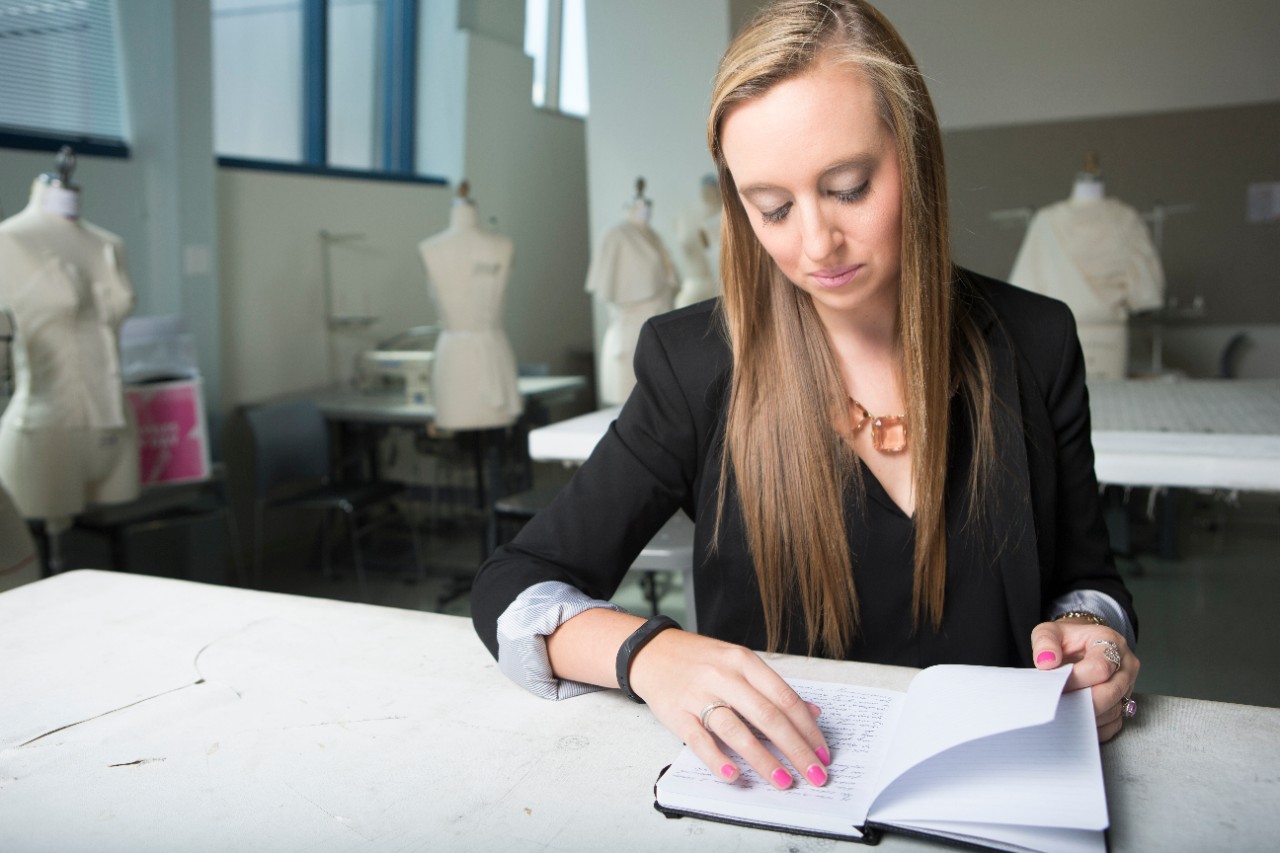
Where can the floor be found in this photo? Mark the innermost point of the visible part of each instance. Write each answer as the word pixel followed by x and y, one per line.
pixel 1206 615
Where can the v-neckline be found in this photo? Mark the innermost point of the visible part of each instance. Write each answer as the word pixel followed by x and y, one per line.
pixel 877 491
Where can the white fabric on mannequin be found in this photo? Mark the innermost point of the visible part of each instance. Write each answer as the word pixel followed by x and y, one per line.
pixel 1095 254
pixel 473 381
pixel 698 230
pixel 67 439
pixel 633 273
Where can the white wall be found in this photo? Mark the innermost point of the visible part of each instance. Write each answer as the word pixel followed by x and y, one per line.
pixel 528 174
pixel 651 66
pixel 994 62
pixel 276 336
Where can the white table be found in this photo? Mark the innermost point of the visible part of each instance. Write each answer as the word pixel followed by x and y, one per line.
pixel 1194 433
pixel 144 713
pixel 571 440
pixel 1191 433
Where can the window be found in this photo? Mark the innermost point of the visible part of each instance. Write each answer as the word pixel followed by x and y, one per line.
pixel 60 65
pixel 555 35
pixel 257 84
pixel 325 84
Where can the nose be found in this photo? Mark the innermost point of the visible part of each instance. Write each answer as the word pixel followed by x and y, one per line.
pixel 819 234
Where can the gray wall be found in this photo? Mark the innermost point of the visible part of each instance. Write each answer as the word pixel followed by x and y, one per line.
pixel 1203 158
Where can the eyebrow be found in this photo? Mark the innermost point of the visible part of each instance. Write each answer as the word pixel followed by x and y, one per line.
pixel 860 161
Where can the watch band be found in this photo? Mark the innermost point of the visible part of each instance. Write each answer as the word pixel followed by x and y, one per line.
pixel 637 641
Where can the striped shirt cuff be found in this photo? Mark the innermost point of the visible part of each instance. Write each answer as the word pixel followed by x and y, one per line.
pixel 522 637
pixel 1096 602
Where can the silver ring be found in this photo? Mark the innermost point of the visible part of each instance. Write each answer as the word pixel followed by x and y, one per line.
pixel 706 712
pixel 1111 652
pixel 1128 707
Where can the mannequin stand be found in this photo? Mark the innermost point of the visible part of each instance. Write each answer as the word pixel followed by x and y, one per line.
pixel 48 535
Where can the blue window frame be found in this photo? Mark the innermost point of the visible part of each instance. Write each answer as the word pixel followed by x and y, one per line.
pixel 318 86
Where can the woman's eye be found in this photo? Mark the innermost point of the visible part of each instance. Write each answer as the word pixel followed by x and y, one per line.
pixel 850 196
pixel 777 214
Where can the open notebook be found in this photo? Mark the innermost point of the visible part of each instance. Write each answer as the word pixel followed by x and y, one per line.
pixel 991 756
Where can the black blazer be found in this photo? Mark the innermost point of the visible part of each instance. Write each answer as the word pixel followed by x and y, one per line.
pixel 1045 535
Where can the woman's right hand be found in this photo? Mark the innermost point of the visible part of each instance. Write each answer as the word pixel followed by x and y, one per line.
pixel 680 674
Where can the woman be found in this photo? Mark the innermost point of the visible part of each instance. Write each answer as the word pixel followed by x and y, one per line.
pixel 961 525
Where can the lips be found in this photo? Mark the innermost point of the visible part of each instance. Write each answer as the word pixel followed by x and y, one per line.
pixel 835 276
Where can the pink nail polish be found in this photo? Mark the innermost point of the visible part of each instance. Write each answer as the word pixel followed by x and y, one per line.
pixel 782 778
pixel 1046 657
pixel 727 771
pixel 816 774
pixel 823 755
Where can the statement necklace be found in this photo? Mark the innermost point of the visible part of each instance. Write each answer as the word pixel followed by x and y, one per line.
pixel 888 432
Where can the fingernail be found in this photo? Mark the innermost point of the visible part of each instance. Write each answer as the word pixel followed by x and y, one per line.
pixel 782 778
pixel 1046 657
pixel 823 755
pixel 816 774
pixel 727 771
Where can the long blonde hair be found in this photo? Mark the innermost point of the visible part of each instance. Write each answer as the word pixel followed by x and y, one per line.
pixel 780 456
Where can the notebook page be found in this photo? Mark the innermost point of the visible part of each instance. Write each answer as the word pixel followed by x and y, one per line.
pixel 950 704
pixel 857 723
pixel 1043 776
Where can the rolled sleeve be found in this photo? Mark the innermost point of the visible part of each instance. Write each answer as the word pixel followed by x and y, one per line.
pixel 1093 601
pixel 522 637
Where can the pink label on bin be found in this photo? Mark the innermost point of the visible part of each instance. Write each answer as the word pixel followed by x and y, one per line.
pixel 171 435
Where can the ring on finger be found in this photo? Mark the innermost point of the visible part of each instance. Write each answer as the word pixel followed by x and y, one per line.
pixel 706 712
pixel 1111 652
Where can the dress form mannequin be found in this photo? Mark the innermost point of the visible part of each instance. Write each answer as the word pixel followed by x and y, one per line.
pixel 474 372
pixel 67 437
pixel 1095 254
pixel 633 273
pixel 698 231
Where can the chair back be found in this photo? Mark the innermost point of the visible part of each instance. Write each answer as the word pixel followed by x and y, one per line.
pixel 290 445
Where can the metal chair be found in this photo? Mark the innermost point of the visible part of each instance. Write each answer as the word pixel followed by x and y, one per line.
pixel 292 471
pixel 671 552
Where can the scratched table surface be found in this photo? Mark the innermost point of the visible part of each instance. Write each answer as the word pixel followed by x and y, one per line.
pixel 141 713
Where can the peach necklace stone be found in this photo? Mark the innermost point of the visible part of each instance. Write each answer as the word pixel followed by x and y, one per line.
pixel 888 432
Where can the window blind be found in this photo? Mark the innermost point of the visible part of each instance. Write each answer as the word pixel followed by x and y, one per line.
pixel 59 69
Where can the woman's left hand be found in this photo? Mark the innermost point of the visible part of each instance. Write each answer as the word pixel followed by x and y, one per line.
pixel 1103 662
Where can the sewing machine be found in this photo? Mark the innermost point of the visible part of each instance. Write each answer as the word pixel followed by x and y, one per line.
pixel 390 370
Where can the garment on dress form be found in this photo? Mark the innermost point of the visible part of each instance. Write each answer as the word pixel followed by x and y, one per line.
pixel 633 273
pixel 473 378
pixel 1096 255
pixel 699 236
pixel 66 438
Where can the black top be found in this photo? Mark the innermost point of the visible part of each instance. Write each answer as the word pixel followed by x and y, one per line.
pixel 1045 534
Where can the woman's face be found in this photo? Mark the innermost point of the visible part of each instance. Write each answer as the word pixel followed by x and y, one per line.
pixel 817 171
